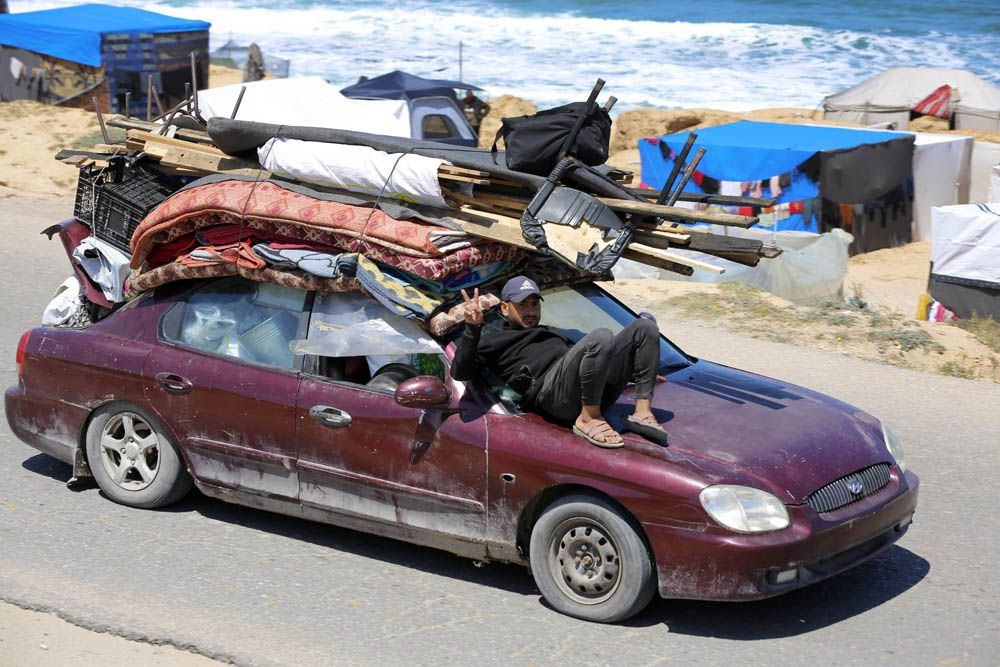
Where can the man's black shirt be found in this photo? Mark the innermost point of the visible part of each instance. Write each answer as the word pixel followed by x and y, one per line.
pixel 507 350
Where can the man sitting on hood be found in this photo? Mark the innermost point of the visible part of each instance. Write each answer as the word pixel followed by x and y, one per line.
pixel 568 382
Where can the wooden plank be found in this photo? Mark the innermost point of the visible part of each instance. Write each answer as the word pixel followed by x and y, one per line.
pixel 148 137
pixel 675 213
pixel 677 259
pixel 462 179
pixel 492 226
pixel 462 171
pixel 211 164
pixel 136 124
pixel 659 263
pixel 675 238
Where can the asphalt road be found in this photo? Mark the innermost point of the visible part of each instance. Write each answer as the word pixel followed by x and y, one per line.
pixel 260 589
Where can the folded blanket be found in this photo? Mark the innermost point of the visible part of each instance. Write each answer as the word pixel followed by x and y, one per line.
pixel 267 205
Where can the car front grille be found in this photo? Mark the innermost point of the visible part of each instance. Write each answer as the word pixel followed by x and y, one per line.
pixel 850 488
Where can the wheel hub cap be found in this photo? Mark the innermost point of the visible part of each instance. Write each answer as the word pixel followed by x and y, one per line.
pixel 585 561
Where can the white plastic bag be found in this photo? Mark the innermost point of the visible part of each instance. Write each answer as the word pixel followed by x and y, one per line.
pixel 66 301
pixel 346 324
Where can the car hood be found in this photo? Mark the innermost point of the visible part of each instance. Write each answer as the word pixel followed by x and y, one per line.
pixel 741 428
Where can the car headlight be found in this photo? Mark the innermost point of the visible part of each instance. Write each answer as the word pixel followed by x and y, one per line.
pixel 895 447
pixel 743 508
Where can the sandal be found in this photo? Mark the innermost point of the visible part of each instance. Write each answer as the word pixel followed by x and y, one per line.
pixel 648 429
pixel 596 429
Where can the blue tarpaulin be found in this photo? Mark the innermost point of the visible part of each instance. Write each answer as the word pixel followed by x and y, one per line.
pixel 74 33
pixel 749 151
pixel 753 151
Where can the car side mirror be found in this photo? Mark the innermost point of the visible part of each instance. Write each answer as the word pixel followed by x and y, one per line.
pixel 423 391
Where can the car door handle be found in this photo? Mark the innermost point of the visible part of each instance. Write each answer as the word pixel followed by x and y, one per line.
pixel 328 416
pixel 175 384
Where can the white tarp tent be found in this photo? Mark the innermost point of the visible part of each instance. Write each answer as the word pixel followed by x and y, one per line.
pixel 306 101
pixel 941 176
pixel 965 258
pixel 890 96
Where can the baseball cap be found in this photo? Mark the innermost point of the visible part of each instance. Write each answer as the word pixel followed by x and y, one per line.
pixel 518 288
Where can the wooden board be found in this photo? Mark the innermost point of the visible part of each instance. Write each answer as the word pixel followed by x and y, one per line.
pixel 675 213
pixel 673 257
pixel 659 263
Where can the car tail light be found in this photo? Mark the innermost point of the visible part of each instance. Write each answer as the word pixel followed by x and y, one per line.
pixel 22 346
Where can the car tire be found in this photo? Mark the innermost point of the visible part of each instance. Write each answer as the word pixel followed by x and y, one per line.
pixel 590 561
pixel 133 459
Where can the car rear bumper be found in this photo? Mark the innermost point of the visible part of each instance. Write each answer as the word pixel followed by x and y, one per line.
pixel 46 424
pixel 712 565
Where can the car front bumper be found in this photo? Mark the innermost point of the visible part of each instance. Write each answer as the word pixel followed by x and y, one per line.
pixel 715 564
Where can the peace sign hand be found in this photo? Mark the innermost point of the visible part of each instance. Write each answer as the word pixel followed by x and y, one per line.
pixel 473 310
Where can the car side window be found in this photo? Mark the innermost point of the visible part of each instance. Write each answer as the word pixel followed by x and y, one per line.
pixel 356 340
pixel 246 320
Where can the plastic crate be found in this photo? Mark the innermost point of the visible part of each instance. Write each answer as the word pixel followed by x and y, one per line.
pixel 90 181
pixel 122 206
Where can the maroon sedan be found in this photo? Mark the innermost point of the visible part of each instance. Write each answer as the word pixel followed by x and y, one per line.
pixel 326 406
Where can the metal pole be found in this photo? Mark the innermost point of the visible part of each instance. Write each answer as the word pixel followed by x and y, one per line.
pixel 460 61
pixel 100 119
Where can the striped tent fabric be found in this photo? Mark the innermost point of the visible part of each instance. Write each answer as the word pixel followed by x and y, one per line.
pixel 937 103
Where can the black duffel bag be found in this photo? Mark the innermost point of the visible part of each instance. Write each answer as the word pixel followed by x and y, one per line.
pixel 533 142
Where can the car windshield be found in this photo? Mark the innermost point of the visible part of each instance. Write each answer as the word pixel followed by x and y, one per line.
pixel 576 310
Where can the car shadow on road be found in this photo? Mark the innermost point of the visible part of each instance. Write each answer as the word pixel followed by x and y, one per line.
pixel 869 585
pixel 503 576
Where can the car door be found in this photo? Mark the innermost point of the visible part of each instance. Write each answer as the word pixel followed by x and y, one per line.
pixel 364 456
pixel 224 381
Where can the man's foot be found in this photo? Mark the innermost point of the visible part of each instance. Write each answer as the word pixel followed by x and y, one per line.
pixel 646 426
pixel 598 432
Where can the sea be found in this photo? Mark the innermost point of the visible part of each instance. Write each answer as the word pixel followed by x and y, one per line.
pixel 725 54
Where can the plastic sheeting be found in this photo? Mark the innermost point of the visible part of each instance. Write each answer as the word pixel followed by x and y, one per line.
pixel 306 101
pixel 410 178
pixel 811 268
pixel 353 325
pixel 106 265
pixel 966 243
pixel 941 166
pixel 66 301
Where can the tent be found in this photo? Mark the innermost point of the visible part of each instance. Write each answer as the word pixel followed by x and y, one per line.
pixel 901 93
pixel 435 112
pixel 823 177
pixel 965 272
pixel 942 176
pixel 397 85
pixel 68 55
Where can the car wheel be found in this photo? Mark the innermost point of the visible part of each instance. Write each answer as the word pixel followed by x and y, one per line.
pixel 589 561
pixel 133 459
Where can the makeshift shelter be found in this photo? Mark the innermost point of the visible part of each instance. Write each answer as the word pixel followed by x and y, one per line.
pixel 965 259
pixel 942 176
pixel 68 55
pixel 822 177
pixel 902 93
pixel 435 112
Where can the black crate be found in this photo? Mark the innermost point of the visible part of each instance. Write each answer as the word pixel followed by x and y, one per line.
pixel 122 206
pixel 91 180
